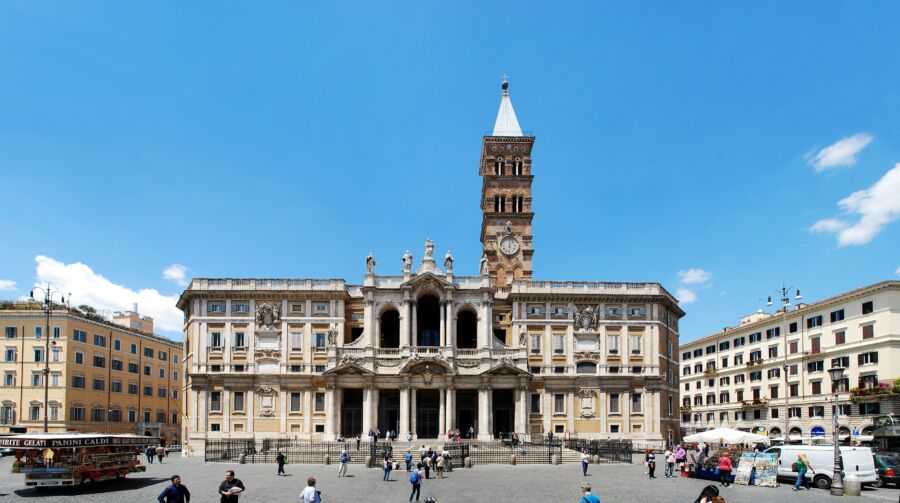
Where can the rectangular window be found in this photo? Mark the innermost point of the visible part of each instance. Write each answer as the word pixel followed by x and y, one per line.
pixel 755 356
pixel 239 340
pixel 867 358
pixel 773 391
pixel 162 373
pixel 755 337
pixel 99 384
pixel 739 379
pixel 133 367
pixel 116 386
pixel 636 311
pixel 38 331
pixel 162 355
pixel 816 387
pixel 10 354
pixel 132 416
pixel 100 340
pixel 132 388
pixel 174 394
pixel 794 412
pixel 773 332
pixel 215 308
pixel 297 308
pixel 686 356
pixel 794 369
pixel 756 376
pixel 837 315
pixel 240 308
pixel 35 379
pixel 792 328
pixel 296 341
pixel 320 339
pixel 635 344
pixel 117 345
pixel 636 403
pixel 613 344
pixel 816 366
pixel 319 368
pixel 815 345
pixel 148 390
pixel 320 402
pixel 774 373
pixel 148 352
pixel 817 411
pixel 773 351
pixel 295 402
pixel 76 413
pixel 321 307
pixel 841 361
pixel 215 339
pixel 698 353
pixel 868 307
pixel 535 403
pixel 134 349
pixel 10 332
pixel 794 389
pixel 614 403
pixel 238 401
pixel 559 343
pixel 54 379
pixel 79 335
pixel 613 312
pixel 78 382
pixel 739 359
pixel 814 321
pixel 148 370
pixel 710 349
pixel 559 403
pixel 839 338
pixel 868 331
pixel 116 364
pixel 162 392
pixel 99 361
pixel 115 415
pixel 215 401
pixel 535 344
pixel 38 354
pixel 869 408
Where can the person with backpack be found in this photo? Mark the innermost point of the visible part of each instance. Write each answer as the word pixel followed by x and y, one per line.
pixel 408 459
pixel 387 465
pixel 310 494
pixel 281 459
pixel 345 460
pixel 587 496
pixel 415 478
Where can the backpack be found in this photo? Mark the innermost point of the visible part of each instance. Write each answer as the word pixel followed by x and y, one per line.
pixel 414 477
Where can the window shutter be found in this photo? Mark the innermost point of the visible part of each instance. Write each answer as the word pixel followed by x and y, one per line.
pixel 875 357
pixel 859 359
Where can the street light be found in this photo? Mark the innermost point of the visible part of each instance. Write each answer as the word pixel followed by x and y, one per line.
pixel 785 303
pixel 837 483
pixel 48 308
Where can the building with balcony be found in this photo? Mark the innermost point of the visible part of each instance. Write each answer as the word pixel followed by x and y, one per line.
pixel 103 377
pixel 426 350
pixel 769 374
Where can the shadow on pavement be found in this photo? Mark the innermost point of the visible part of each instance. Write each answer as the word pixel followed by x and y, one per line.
pixel 97 488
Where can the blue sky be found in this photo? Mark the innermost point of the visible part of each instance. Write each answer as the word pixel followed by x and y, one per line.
pixel 741 145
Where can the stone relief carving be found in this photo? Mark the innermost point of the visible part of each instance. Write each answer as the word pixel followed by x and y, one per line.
pixel 586 397
pixel 268 354
pixel 347 359
pixel 587 318
pixel 268 316
pixel 467 364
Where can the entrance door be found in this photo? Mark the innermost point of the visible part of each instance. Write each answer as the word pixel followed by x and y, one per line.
pixel 427 402
pixel 388 411
pixel 351 413
pixel 466 410
pixel 504 406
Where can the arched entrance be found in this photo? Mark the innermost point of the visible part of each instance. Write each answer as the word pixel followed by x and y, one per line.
pixel 467 330
pixel 390 329
pixel 428 321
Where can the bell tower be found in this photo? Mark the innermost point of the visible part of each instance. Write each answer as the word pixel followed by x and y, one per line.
pixel 506 235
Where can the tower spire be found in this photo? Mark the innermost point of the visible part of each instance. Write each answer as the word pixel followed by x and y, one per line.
pixel 506 123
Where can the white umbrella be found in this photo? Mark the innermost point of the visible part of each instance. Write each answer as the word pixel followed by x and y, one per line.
pixel 727 436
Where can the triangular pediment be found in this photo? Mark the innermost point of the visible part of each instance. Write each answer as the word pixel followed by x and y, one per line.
pixel 505 368
pixel 348 368
pixel 428 278
pixel 426 364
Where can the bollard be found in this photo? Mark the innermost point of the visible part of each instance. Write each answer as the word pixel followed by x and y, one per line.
pixel 242 458
pixel 467 463
pixel 596 459
pixel 555 459
pixel 512 459
pixel 327 459
pixel 852 485
pixel 369 462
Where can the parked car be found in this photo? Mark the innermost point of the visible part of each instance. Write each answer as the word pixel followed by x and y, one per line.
pixel 888 467
pixel 857 461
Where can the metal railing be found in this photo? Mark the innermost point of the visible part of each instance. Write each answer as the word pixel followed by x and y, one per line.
pixel 296 451
pixel 609 451
pixel 499 452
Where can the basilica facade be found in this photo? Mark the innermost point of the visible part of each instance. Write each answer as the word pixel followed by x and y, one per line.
pixel 426 351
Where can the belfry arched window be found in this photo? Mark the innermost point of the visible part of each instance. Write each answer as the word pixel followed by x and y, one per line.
pixel 498 166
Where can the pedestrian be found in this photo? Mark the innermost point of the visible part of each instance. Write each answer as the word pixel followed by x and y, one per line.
pixel 691 458
pixel 651 463
pixel 428 465
pixel 310 494
pixel 415 478
pixel 345 460
pixel 587 496
pixel 725 469
pixel 408 458
pixel 585 461
pixel 150 451
pixel 422 454
pixel 409 440
pixel 230 488
pixel 680 455
pixel 175 492
pixel 801 466
pixel 472 432
pixel 447 465
pixel 670 463
pixel 160 453
pixel 388 465
pixel 439 467
pixel 281 460
pixel 358 440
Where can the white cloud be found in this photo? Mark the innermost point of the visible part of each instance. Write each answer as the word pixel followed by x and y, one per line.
pixel 685 296
pixel 840 153
pixel 694 276
pixel 88 287
pixel 7 285
pixel 897 272
pixel 875 207
pixel 176 274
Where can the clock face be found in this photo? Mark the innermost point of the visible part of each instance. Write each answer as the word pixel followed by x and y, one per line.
pixel 509 245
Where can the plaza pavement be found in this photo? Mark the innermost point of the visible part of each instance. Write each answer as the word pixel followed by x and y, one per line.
pixel 496 483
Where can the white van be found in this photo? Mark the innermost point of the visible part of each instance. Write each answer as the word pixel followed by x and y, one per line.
pixel 857 461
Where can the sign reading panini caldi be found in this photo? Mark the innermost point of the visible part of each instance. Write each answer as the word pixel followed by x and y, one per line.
pixel 63 441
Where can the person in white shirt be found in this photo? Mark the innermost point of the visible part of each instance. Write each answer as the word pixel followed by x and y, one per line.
pixel 309 494
pixel 585 461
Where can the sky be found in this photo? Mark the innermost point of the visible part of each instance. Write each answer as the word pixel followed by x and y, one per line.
pixel 723 149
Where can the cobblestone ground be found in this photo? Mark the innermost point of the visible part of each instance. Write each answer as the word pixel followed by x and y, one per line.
pixel 496 483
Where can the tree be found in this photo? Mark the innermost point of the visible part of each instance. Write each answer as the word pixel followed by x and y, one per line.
pixel 86 309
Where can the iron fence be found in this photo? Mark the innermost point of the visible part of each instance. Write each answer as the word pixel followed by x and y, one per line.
pixel 525 452
pixel 609 451
pixel 296 451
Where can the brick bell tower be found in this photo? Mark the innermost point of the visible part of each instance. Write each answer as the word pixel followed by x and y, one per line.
pixel 506 235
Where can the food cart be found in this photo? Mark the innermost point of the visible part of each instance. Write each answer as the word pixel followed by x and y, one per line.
pixel 68 459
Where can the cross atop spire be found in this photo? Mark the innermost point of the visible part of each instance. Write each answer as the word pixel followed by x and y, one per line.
pixel 506 124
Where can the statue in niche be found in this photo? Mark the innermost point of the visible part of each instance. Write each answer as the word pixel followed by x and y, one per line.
pixel 448 262
pixel 508 227
pixel 332 336
pixel 485 266
pixel 268 316
pixel 370 264
pixel 407 259
pixel 523 337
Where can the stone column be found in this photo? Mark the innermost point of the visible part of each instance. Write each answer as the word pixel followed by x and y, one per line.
pixel 405 325
pixel 451 407
pixel 451 325
pixel 404 412
pixel 201 407
pixel 308 413
pixel 374 395
pixel 484 427
pixel 338 401
pixel 227 344
pixel 377 342
pixel 521 411
pixel 226 411
pixel 442 329
pixel 329 412
pixel 412 415
pixel 442 413
pixel 251 410
pixel 570 412
pixel 367 409
pixel 414 337
pixel 547 415
pixel 283 410
pixel 626 413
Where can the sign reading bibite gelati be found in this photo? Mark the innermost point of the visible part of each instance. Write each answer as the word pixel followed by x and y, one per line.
pixel 74 441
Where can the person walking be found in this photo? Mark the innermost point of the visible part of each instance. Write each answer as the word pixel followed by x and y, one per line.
pixel 802 465
pixel 586 495
pixel 387 465
pixel 670 463
pixel 585 461
pixel 651 463
pixel 175 492
pixel 439 467
pixel 415 478
pixel 230 488
pixel 281 460
pixel 428 465
pixel 680 455
pixel 310 494
pixel 150 451
pixel 160 453
pixel 409 440
pixel 691 458
pixel 725 469
pixel 345 460
pixel 408 458
pixel 358 440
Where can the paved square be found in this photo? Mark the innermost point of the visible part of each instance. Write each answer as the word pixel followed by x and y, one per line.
pixel 531 483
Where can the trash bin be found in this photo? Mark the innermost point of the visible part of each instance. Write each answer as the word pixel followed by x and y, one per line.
pixel 852 485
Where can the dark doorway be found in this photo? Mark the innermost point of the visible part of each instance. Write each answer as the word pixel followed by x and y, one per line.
pixel 388 410
pixel 390 329
pixel 428 321
pixel 504 407
pixel 466 410
pixel 351 413
pixel 427 402
pixel 467 330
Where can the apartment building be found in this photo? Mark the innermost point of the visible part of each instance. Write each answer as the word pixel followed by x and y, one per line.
pixel 103 377
pixel 770 375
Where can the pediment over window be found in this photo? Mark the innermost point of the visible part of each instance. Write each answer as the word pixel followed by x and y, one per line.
pixel 348 367
pixel 505 367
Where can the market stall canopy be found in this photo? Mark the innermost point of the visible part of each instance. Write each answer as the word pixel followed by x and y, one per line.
pixel 726 436
pixel 56 441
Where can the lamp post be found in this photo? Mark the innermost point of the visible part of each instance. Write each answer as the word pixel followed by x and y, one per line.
pixel 48 309
pixel 837 482
pixel 785 304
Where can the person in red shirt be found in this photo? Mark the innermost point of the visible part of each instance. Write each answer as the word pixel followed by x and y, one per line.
pixel 725 469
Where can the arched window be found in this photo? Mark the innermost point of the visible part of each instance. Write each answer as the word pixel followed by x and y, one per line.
pixel 498 166
pixel 390 329
pixel 585 368
pixel 428 320
pixel 466 330
pixel 517 166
